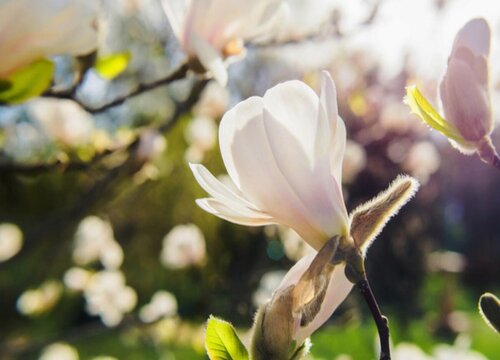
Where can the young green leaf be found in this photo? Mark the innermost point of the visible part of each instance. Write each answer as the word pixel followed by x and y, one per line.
pixel 222 342
pixel 425 111
pixel 27 82
pixel 110 66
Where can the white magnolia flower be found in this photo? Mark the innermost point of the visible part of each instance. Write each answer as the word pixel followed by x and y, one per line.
pixel 183 246
pixel 210 31
pixel 163 304
pixel 11 241
pixel 31 30
pixel 284 154
pixel 59 351
pixel 108 297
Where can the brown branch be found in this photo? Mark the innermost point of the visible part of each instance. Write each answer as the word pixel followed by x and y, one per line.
pixel 34 169
pixel 178 74
pixel 380 320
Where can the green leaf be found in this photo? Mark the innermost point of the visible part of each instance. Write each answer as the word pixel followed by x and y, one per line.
pixel 110 66
pixel 425 111
pixel 489 307
pixel 222 342
pixel 5 85
pixel 28 82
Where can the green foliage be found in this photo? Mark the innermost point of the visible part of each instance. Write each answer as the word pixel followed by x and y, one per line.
pixel 110 66
pixel 27 82
pixel 222 342
pixel 421 107
pixel 489 307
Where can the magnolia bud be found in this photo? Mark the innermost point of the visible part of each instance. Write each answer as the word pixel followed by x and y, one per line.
pixel 464 89
pixel 305 299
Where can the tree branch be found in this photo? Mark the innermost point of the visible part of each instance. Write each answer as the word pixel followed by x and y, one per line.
pixel 380 320
pixel 178 74
pixel 34 169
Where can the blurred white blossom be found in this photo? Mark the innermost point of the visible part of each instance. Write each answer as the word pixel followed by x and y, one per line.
pixel 151 144
pixel 460 350
pixel 303 19
pixel 267 285
pixel 59 351
pixel 213 101
pixel 37 301
pixel 108 297
pixel 408 351
pixel 422 160
pixel 76 278
pixel 62 121
pixel 24 142
pixel 447 261
pixel 211 31
pixel 163 304
pixel 11 241
pixel 183 246
pixel 295 247
pixel 50 27
pixel 94 240
pixel 201 135
pixel 354 161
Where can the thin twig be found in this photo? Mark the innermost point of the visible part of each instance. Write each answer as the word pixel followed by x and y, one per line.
pixel 380 320
pixel 178 74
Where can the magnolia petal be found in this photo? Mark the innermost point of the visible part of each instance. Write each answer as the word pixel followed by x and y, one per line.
pixel 176 11
pixel 329 98
pixel 266 19
pixel 224 212
pixel 475 35
pixel 294 110
pixel 253 167
pixel 336 124
pixel 312 183
pixel 210 58
pixel 222 193
pixel 51 27
pixel 338 289
pixel 466 101
pixel 338 150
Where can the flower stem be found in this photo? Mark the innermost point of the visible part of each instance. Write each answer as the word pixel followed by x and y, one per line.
pixel 380 320
pixel 488 153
